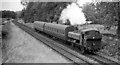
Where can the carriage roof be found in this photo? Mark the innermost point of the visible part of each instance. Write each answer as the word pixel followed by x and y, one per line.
pixel 58 26
pixel 39 22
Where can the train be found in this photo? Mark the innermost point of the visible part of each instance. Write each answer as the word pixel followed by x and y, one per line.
pixel 88 39
pixel 84 38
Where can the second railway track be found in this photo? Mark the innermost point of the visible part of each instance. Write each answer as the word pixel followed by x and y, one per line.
pixel 70 54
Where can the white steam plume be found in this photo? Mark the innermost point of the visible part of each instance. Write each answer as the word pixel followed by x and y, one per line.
pixel 73 13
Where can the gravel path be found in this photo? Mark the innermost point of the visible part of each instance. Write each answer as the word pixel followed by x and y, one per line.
pixel 23 48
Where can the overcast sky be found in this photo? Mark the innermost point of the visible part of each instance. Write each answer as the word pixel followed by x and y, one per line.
pixel 13 5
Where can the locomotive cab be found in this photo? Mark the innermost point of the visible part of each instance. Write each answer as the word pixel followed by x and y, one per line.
pixel 91 40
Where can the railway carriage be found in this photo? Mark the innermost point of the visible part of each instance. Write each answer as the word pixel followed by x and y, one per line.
pixel 58 30
pixel 39 25
pixel 30 25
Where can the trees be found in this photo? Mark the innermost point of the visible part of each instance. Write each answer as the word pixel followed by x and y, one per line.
pixel 8 14
pixel 43 11
pixel 102 13
pixel 105 13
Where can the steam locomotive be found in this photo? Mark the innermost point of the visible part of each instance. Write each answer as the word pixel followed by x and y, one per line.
pixel 88 39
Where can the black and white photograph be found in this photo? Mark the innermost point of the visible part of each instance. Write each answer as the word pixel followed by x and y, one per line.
pixel 65 32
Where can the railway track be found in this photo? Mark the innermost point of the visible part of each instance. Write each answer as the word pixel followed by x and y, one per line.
pixel 100 54
pixel 102 59
pixel 70 54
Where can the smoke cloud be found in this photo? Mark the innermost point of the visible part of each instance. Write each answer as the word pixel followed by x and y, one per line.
pixel 73 13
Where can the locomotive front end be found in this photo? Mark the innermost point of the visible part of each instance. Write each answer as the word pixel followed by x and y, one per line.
pixel 92 40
